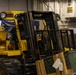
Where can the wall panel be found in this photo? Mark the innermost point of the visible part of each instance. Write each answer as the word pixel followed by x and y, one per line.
pixel 8 5
pixel 17 5
pixel 3 5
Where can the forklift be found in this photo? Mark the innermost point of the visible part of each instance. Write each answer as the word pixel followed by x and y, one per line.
pixel 49 44
pixel 47 41
pixel 23 48
pixel 18 42
pixel 14 45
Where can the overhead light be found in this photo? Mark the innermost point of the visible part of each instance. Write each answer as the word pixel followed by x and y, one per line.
pixel 16 16
pixel 3 15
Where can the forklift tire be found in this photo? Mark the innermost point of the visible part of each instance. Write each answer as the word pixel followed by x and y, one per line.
pixel 11 67
pixel 3 70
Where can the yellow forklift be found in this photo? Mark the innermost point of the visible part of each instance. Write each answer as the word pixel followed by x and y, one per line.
pixel 22 47
pixel 18 43
pixel 13 44
pixel 47 41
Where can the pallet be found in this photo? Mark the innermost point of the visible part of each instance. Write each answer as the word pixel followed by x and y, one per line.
pixel 41 70
pixel 65 70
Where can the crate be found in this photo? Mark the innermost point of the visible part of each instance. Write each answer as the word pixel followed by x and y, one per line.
pixel 72 59
pixel 44 66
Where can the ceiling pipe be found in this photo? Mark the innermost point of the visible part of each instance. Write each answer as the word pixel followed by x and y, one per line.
pixel 69 2
pixel 27 5
pixel 8 5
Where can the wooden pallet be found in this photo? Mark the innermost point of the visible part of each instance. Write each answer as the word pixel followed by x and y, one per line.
pixel 65 70
pixel 41 70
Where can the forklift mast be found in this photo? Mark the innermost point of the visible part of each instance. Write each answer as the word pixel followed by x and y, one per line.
pixel 52 27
